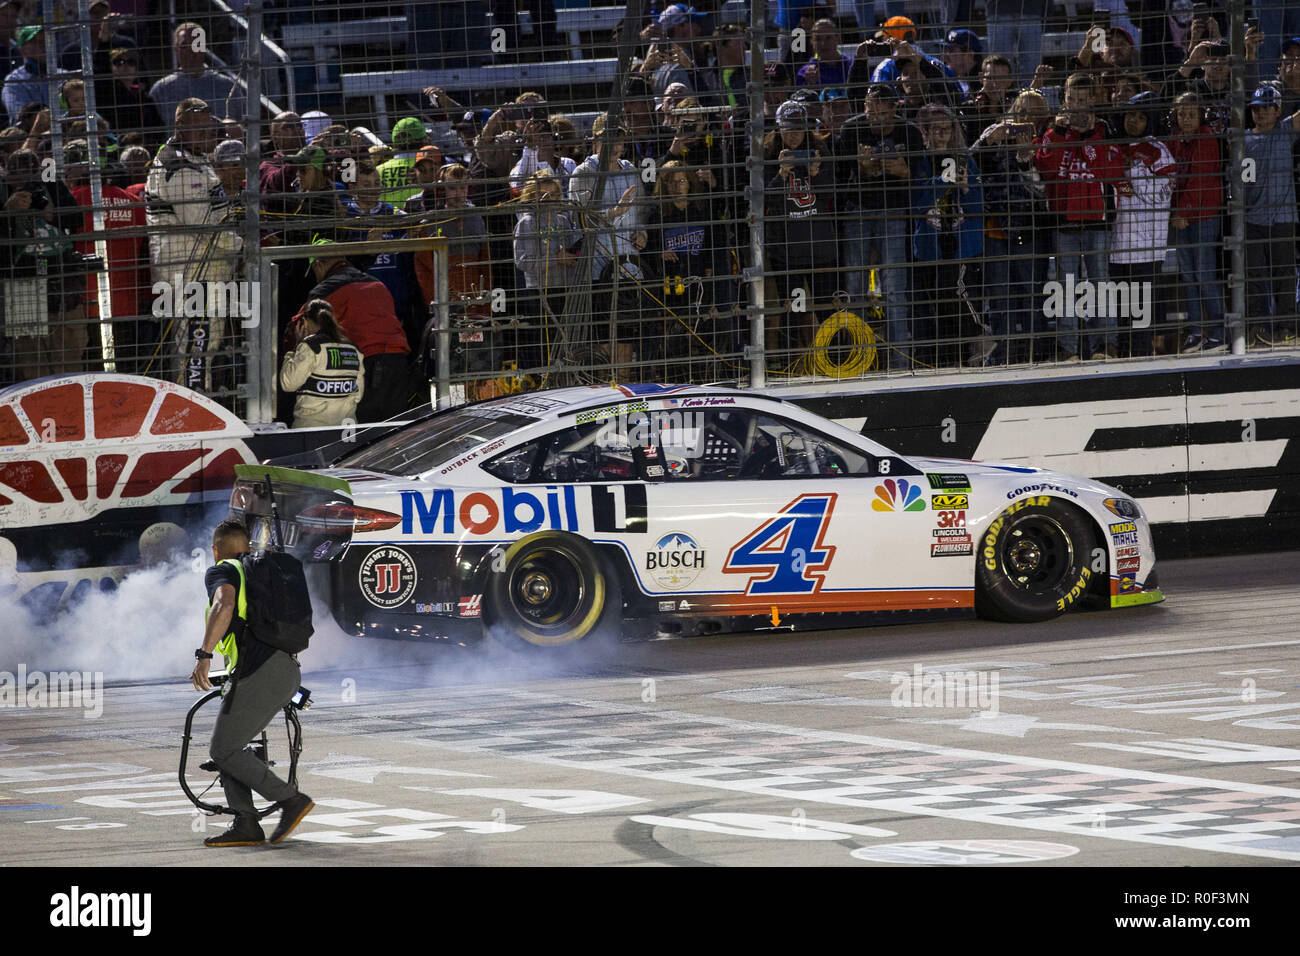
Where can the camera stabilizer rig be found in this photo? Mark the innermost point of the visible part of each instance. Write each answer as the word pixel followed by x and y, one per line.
pixel 300 701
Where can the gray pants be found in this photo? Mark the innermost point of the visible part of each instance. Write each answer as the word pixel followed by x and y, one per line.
pixel 246 709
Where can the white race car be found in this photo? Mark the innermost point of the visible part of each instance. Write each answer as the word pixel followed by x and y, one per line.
pixel 552 517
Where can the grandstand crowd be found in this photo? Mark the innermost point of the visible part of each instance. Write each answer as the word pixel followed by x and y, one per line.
pixel 939 179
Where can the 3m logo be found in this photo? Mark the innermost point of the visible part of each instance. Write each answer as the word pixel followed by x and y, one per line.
pixel 950 502
pixel 785 552
pixel 900 495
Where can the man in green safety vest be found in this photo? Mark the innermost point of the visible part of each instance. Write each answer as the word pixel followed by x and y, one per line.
pixel 396 177
pixel 264 680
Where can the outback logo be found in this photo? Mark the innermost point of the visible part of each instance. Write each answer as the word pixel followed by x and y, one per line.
pixel 899 495
pixel 387 577
pixel 676 561
pixel 949 482
pixel 1031 489
pixel 950 502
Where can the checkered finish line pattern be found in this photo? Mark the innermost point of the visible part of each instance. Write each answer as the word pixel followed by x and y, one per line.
pixel 846 770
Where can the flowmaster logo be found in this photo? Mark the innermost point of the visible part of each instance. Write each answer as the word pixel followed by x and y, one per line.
pixel 57 689
pixel 1105 299
pixel 77 909
pixel 955 689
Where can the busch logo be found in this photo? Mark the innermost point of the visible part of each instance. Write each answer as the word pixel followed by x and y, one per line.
pixel 675 561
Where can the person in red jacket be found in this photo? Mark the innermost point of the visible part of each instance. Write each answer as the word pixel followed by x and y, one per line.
pixel 134 336
pixel 363 309
pixel 1079 167
pixel 1197 205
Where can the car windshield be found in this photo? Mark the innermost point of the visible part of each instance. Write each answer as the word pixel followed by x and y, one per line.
pixel 420 448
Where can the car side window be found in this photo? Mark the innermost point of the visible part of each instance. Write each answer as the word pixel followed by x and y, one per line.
pixel 739 443
pixel 576 453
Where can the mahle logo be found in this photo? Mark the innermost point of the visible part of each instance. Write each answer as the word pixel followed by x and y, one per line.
pixel 899 495
pixel 1100 300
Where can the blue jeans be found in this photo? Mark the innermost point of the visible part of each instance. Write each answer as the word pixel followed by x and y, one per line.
pixel 888 238
pixel 1020 41
pixel 1009 286
pixel 1198 266
pixel 1077 249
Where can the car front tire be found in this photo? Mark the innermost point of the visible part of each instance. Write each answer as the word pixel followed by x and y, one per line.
pixel 1034 561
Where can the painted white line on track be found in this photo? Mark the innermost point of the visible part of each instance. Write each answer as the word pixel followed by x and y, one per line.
pixel 1197 650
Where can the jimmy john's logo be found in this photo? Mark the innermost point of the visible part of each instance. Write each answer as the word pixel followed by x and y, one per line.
pixel 950 502
pixel 675 561
pixel 387 577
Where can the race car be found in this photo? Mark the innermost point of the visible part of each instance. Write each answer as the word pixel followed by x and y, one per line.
pixel 557 517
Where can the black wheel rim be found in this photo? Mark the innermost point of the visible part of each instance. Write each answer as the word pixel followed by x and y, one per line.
pixel 547 589
pixel 1037 554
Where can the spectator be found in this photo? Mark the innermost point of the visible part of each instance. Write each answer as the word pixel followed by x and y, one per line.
pixel 792 15
pixel 801 219
pixel 135 168
pixel 876 153
pixel 43 317
pixel 1115 46
pixel 835 110
pixel 27 83
pixel 1270 200
pixel 1197 204
pixel 1205 73
pixel 638 118
pixel 948 231
pixel 275 176
pixel 828 67
pixel 324 371
pixel 1015 31
pixel 363 311
pixel 611 222
pixel 315 122
pixel 103 39
pixel 733 72
pixel 228 164
pixel 961 54
pixel 409 139
pixel 1277 19
pixel 541 154
pixel 194 80
pixel 1015 227
pixel 569 143
pixel 319 210
pixel 396 271
pixel 1141 231
pixel 683 244
pixel 123 100
pixel 467 128
pixel 468 274
pixel 134 334
pixel 989 104
pixel 10 58
pixel 544 237
pixel 490 191
pixel 182 190
pixel 1078 165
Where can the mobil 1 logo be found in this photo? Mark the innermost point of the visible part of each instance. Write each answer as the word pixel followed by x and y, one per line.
pixel 387 577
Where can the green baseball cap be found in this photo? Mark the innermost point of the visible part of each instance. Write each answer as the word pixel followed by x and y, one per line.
pixel 309 156
pixel 321 241
pixel 408 131
pixel 28 34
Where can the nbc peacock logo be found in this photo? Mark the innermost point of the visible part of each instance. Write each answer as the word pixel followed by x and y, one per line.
pixel 899 495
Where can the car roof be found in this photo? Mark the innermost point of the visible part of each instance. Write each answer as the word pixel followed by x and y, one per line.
pixel 553 404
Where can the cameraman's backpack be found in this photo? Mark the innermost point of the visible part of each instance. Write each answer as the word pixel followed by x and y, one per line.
pixel 279 607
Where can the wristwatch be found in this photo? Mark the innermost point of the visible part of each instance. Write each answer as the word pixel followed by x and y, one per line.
pixel 201 655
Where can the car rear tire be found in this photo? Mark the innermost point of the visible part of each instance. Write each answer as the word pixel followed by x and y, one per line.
pixel 1034 560
pixel 554 590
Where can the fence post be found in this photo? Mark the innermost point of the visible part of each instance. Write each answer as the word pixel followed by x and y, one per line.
pixel 755 273
pixel 259 340
pixel 1235 320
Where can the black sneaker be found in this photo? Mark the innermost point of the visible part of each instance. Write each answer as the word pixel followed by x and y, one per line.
pixel 245 831
pixel 1285 336
pixel 1263 335
pixel 1192 344
pixel 1213 345
pixel 291 813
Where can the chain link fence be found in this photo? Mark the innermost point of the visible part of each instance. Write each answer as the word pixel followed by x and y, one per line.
pixel 734 191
